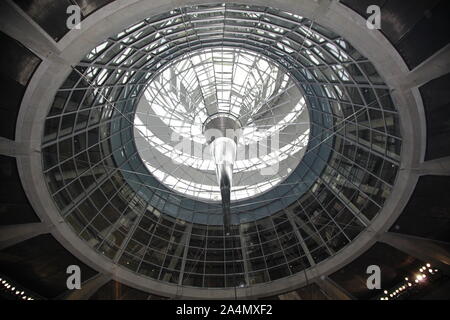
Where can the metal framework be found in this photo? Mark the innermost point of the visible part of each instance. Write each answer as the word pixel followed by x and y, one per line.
pixel 97 175
pixel 261 96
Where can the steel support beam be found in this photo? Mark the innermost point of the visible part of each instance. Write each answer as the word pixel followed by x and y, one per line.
pixel 128 237
pixel 182 247
pixel 432 68
pixel 12 148
pixel 18 25
pixel 185 253
pixel 245 256
pixel 290 216
pixel 88 288
pixel 332 290
pixel 435 252
pixel 438 167
pixel 14 234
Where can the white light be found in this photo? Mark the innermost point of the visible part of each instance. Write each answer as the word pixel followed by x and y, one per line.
pixel 428 265
pixel 430 270
pixel 409 284
pixel 385 291
pixel 406 278
pixel 248 63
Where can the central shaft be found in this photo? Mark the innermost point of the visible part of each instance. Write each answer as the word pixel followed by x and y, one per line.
pixel 221 132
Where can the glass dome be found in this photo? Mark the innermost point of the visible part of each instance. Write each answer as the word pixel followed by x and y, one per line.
pixel 108 170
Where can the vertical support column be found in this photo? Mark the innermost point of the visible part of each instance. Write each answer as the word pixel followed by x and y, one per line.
pixel 299 237
pixel 186 249
pixel 244 255
pixel 181 247
pixel 290 296
pixel 128 237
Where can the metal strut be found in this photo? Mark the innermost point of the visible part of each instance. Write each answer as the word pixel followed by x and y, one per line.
pixel 220 131
pixel 224 175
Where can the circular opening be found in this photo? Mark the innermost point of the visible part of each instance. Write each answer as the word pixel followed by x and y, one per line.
pixel 106 165
pixel 196 96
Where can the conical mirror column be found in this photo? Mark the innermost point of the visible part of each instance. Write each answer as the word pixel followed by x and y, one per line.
pixel 221 134
pixel 224 153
